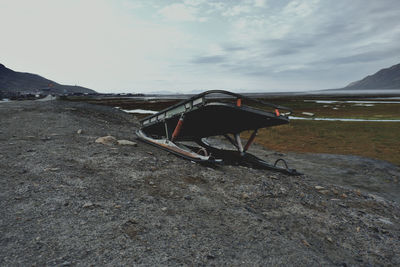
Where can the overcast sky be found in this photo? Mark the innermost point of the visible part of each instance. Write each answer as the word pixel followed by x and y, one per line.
pixel 180 46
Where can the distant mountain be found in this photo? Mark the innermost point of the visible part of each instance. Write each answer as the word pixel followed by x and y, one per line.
pixel 384 79
pixel 12 81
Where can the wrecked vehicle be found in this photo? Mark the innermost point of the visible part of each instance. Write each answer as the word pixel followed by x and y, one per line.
pixel 183 128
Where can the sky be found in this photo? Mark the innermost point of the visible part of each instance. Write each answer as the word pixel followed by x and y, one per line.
pixel 143 46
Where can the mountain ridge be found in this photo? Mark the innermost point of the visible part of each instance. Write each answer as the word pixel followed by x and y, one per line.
pixel 387 78
pixel 23 82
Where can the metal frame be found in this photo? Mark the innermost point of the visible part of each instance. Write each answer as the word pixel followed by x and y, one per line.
pixel 211 155
pixel 199 100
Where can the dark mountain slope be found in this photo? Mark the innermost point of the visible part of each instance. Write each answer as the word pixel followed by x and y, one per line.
pixel 12 81
pixel 384 79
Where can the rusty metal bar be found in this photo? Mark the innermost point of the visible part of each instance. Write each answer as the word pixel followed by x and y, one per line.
pixel 177 130
pixel 251 140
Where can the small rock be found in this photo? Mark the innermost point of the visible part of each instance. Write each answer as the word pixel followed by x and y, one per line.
pixel 210 257
pixel 88 205
pixel 164 208
pixel 343 195
pixel 245 196
pixel 318 187
pixel 52 169
pixel 117 206
pixel 106 140
pixel 335 191
pixel 282 190
pixel 329 239
pixel 79 131
pixel 305 243
pixel 358 229
pixel 151 183
pixel 187 197
pixel 194 189
pixel 132 221
pixel 126 143
pixel 324 192
pixel 384 231
pixel 384 220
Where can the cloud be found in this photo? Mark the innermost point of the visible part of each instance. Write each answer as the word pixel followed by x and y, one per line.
pixel 365 57
pixel 191 44
pixel 260 3
pixel 181 12
pixel 209 60
pixel 236 10
pixel 233 48
pixel 299 8
pixel 194 2
pixel 99 47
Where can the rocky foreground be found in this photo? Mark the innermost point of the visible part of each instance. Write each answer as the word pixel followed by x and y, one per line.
pixel 68 200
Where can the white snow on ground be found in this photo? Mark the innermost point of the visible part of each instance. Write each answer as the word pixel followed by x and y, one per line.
pixel 48 98
pixel 139 111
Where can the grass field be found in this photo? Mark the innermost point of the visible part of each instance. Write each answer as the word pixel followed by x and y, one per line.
pixel 380 140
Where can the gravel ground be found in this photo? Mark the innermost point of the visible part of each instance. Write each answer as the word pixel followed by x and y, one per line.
pixel 66 200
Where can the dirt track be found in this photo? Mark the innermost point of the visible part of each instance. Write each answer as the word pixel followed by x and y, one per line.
pixel 66 200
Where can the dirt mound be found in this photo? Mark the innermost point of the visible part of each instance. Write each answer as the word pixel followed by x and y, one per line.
pixel 67 200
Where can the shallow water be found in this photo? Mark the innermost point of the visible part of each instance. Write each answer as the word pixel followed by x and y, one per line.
pixel 352 102
pixel 347 92
pixel 338 119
